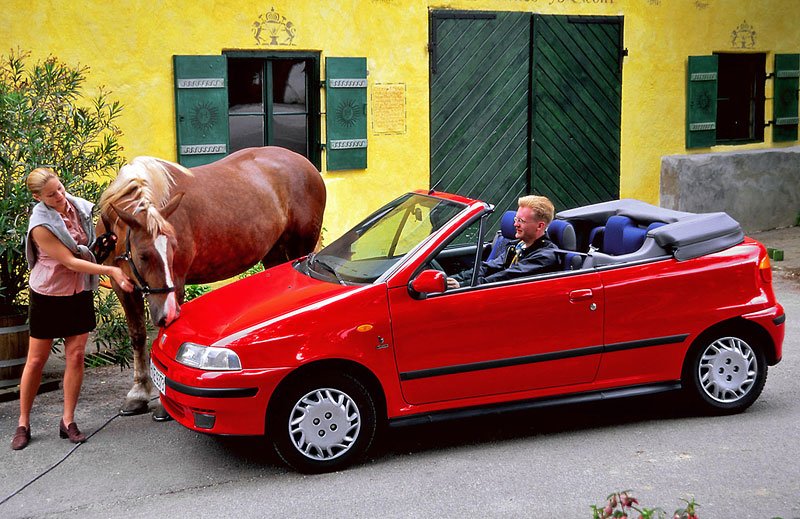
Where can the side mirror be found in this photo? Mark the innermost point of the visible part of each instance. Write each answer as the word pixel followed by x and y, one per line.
pixel 428 281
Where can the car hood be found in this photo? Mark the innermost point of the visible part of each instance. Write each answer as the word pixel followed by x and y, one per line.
pixel 227 313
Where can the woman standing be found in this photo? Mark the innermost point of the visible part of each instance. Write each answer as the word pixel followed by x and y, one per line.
pixel 63 275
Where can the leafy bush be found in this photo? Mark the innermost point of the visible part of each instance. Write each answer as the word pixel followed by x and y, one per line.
pixel 45 119
pixel 111 339
pixel 195 291
pixel 255 269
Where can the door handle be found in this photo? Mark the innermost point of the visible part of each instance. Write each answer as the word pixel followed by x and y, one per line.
pixel 580 294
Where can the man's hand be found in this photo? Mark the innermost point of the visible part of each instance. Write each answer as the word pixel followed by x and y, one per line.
pixel 452 283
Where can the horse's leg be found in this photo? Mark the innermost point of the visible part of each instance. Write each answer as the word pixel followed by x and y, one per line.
pixel 137 400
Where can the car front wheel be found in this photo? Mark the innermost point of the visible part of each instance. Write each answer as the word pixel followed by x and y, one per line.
pixel 322 423
pixel 726 374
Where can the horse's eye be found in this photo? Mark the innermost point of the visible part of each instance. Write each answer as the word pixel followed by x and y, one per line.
pixel 144 257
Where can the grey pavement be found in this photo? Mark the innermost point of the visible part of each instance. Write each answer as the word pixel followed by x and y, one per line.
pixel 552 463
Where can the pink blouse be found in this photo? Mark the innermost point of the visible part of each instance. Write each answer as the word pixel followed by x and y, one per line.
pixel 51 278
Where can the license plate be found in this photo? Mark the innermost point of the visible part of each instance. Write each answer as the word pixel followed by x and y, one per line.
pixel 158 378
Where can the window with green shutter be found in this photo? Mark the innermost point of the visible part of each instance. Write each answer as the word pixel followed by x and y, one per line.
pixel 784 98
pixel 346 113
pixel 725 99
pixel 246 99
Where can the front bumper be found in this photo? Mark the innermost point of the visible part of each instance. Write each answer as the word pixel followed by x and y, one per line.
pixel 217 402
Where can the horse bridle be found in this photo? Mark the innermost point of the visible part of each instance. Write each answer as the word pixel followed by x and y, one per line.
pixel 140 285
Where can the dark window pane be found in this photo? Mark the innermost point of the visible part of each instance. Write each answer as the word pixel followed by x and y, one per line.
pixel 289 86
pixel 289 131
pixel 740 97
pixel 246 131
pixel 245 85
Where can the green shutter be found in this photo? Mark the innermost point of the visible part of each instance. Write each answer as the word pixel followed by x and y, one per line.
pixel 701 102
pixel 201 108
pixel 784 98
pixel 346 113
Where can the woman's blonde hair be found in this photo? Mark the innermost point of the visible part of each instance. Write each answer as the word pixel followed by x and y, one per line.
pixel 38 178
pixel 541 206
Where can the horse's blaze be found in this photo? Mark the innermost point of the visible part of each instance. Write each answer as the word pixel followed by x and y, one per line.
pixel 171 303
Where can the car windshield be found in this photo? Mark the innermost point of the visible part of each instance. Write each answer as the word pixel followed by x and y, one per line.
pixel 373 246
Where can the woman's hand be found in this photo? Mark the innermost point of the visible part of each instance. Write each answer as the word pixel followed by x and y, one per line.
pixel 120 279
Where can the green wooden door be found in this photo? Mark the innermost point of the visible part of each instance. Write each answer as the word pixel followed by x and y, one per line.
pixel 480 69
pixel 524 103
pixel 576 107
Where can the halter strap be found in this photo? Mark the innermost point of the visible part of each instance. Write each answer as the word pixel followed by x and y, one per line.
pixel 140 285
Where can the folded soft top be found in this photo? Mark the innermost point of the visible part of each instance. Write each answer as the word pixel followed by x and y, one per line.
pixel 686 235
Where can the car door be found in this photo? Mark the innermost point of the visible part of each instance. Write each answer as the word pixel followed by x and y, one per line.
pixel 536 333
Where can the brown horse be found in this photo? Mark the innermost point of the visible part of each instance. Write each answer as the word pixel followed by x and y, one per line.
pixel 177 226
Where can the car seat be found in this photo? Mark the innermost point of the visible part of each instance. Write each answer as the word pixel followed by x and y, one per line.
pixel 622 236
pixel 504 235
pixel 562 233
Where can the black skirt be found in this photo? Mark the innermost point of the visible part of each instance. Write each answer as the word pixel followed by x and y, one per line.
pixel 54 317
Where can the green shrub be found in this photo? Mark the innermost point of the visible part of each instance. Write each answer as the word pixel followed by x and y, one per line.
pixel 47 120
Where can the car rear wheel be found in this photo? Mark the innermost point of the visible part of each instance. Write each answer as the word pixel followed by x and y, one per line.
pixel 322 423
pixel 726 373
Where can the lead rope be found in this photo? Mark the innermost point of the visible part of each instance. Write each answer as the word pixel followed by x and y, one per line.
pixel 62 460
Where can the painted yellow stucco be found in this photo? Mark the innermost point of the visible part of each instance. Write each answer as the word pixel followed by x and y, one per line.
pixel 129 44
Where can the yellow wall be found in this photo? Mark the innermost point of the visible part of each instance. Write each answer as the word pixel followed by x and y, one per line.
pixel 129 46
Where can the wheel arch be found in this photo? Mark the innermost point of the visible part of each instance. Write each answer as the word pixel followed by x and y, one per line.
pixel 732 326
pixel 354 369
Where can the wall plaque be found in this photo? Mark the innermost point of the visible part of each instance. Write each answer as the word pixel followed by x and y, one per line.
pixel 389 108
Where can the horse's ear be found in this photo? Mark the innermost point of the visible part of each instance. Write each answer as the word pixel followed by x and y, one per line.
pixel 126 217
pixel 168 209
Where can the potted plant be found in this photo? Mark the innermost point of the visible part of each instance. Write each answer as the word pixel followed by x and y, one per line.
pixel 45 119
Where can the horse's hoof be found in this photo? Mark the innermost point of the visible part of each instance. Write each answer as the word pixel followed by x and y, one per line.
pixel 160 414
pixel 133 408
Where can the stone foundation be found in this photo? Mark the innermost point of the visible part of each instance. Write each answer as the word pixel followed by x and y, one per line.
pixel 759 188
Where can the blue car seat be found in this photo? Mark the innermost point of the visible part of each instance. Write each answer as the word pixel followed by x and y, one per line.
pixel 562 233
pixel 622 236
pixel 504 235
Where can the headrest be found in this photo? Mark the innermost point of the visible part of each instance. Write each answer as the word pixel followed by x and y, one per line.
pixel 507 225
pixel 562 233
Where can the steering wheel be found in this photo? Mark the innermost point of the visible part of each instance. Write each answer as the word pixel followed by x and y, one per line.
pixel 435 265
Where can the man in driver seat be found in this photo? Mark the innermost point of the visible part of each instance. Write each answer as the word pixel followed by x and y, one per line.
pixel 531 253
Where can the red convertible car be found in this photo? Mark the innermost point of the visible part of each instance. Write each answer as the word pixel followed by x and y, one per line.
pixel 318 353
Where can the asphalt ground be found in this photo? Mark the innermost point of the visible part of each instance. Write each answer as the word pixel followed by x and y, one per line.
pixel 552 463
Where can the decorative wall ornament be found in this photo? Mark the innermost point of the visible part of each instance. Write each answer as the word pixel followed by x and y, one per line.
pixel 744 36
pixel 347 113
pixel 204 116
pixel 272 28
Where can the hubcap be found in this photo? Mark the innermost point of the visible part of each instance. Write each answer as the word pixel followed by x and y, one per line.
pixel 727 369
pixel 324 424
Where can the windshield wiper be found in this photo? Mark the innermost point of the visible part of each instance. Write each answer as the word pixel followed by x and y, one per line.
pixel 329 268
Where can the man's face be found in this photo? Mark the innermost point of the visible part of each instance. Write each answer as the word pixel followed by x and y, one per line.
pixel 527 227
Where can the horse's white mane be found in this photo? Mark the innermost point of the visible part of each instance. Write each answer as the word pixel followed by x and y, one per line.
pixel 144 184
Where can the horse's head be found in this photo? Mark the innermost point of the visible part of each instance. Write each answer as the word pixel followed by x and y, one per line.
pixel 147 259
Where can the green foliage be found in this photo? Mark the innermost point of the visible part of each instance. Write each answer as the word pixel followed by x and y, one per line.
pixel 111 337
pixel 195 291
pixel 622 504
pixel 255 269
pixel 45 119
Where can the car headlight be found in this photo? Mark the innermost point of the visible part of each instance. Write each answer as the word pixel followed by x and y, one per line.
pixel 208 357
